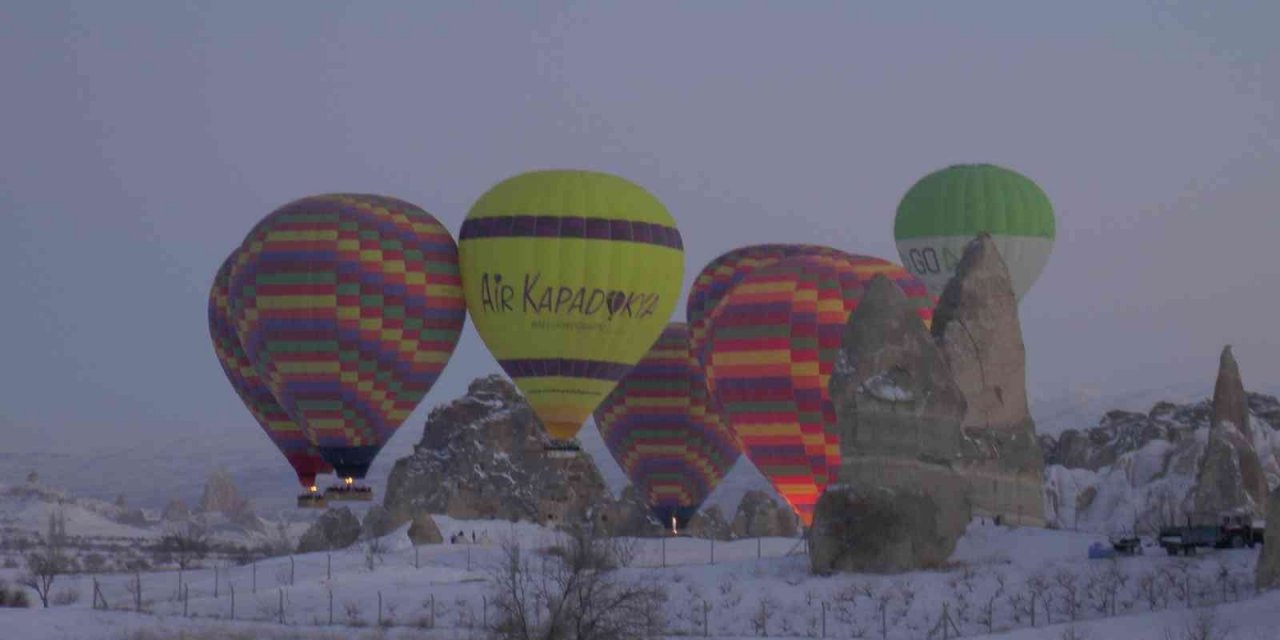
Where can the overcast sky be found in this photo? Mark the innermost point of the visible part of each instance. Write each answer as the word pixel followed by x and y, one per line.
pixel 139 141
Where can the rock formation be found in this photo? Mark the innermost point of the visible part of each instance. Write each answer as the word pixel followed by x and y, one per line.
pixel 220 496
pixel 1230 477
pixel 334 529
pixel 976 325
pixel 709 523
pixel 377 522
pixel 1139 470
pixel 175 511
pixel 759 516
pixel 1267 573
pixel 899 504
pixel 627 516
pixel 424 530
pixel 481 457
pixel 876 529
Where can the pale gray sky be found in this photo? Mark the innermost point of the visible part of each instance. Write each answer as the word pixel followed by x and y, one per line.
pixel 140 140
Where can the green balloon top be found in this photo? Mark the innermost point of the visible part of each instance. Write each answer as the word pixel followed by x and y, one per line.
pixel 566 192
pixel 966 199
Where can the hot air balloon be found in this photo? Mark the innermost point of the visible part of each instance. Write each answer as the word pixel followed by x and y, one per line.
pixel 297 447
pixel 349 306
pixel 661 431
pixel 771 345
pixel 721 274
pixel 942 212
pixel 570 277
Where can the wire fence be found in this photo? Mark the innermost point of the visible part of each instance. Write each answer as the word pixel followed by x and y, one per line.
pixel 448 588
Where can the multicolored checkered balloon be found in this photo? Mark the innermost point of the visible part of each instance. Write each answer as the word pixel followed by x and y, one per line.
pixel 294 442
pixel 720 275
pixel 771 345
pixel 660 429
pixel 349 307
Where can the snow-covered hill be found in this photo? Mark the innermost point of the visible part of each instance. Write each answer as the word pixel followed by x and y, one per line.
pixel 1136 470
pixel 751 589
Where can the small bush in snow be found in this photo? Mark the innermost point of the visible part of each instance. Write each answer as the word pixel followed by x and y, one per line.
pixel 64 597
pixel 13 598
pixel 1201 625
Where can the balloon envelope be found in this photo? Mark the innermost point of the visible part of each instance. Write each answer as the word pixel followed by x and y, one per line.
pixel 296 445
pixel 721 274
pixel 942 212
pixel 349 307
pixel 570 277
pixel 771 346
pixel 659 427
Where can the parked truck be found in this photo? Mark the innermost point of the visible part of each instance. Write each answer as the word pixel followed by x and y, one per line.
pixel 1233 531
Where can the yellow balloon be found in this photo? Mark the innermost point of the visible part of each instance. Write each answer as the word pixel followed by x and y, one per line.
pixel 570 277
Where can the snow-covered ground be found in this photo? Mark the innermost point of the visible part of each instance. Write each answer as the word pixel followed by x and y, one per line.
pixel 443 591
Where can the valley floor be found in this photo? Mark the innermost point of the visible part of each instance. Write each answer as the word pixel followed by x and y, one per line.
pixel 753 588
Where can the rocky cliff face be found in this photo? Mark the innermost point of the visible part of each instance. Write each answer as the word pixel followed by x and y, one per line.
pixel 1230 477
pixel 976 325
pixel 1141 470
pixel 481 457
pixel 759 516
pixel 898 414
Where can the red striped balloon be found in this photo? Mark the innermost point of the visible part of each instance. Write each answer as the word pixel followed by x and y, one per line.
pixel 770 348
pixel 720 275
pixel 296 445
pixel 660 429
pixel 349 307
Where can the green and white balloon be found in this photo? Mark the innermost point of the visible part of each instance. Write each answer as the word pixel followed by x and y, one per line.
pixel 943 212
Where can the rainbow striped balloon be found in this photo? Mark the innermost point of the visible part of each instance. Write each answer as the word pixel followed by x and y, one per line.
pixel 771 345
pixel 721 274
pixel 349 307
pixel 660 429
pixel 296 445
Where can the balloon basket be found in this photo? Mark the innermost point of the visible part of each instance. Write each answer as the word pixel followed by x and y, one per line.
pixel 562 451
pixel 350 493
pixel 312 501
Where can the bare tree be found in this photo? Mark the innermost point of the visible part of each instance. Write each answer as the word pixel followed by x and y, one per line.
pixel 1202 625
pixel 48 560
pixel 571 591
pixel 187 544
pixel 374 550
pixel 1042 592
pixel 1068 584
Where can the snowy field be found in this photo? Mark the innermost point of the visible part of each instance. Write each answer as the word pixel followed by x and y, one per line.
pixel 755 588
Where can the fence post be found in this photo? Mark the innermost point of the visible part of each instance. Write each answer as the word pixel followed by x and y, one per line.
pixel 291 571
pixel 758 556
pixel 468 557
pixel 215 582
pixel 379 608
pixel 179 581
pixel 255 576
pixel 433 611
pixel 484 611
pixel 713 550
pixel 328 565
pixel 824 618
pixel 280 607
pixel 706 619
pixel 137 595
pixel 186 598
pixel 415 557
pixel 232 588
pixel 331 605
pixel 664 551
